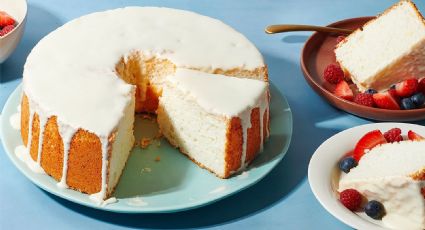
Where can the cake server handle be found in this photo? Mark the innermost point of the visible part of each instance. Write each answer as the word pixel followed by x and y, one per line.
pixel 273 29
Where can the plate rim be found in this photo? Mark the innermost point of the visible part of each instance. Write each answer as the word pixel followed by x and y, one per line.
pixel 321 91
pixel 324 193
pixel 144 209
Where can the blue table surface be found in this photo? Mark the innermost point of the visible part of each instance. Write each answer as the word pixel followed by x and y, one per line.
pixel 282 200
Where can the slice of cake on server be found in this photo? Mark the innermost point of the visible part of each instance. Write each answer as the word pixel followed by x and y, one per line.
pixel 387 50
pixel 394 175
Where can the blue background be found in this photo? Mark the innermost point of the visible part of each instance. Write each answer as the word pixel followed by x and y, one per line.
pixel 282 200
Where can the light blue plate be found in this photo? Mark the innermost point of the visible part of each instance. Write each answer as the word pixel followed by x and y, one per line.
pixel 171 184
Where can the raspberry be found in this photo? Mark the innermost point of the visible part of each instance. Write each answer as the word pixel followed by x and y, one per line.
pixel 6 30
pixel 365 99
pixel 393 135
pixel 333 74
pixel 340 38
pixel 351 199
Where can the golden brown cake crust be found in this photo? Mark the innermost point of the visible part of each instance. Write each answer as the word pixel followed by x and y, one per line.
pixel 85 154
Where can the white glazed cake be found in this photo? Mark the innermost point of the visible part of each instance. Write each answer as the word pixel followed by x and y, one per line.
pixel 84 81
pixel 386 50
pixel 198 112
pixel 393 174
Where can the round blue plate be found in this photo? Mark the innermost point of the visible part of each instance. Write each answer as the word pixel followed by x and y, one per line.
pixel 159 178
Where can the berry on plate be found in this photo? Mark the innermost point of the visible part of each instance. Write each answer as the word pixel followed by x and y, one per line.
pixel 344 91
pixel 365 99
pixel 333 74
pixel 386 100
pixel 351 199
pixel 371 91
pixel 367 142
pixel 6 19
pixel 407 87
pixel 407 103
pixel 347 163
pixel 393 135
pixel 414 136
pixel 418 99
pixel 6 30
pixel 374 209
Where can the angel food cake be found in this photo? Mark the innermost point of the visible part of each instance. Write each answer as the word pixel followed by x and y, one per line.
pixel 83 83
pixel 390 176
pixel 385 51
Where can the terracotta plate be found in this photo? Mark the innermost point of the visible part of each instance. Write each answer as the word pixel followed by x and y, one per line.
pixel 318 52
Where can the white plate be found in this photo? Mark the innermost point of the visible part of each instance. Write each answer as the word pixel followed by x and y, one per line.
pixel 323 171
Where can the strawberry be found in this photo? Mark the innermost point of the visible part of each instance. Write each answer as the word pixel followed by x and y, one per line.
pixel 385 101
pixel 333 74
pixel 6 19
pixel 414 136
pixel 367 142
pixel 6 30
pixel 351 199
pixel 407 87
pixel 344 91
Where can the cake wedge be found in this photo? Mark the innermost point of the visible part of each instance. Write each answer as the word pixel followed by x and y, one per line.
pixel 219 122
pixel 386 50
pixel 394 175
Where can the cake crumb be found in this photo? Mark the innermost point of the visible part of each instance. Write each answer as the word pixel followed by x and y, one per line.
pixel 157 158
pixel 147 117
pixel 146 170
pixel 145 142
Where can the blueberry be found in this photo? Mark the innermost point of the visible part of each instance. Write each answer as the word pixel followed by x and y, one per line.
pixel 371 91
pixel 374 209
pixel 346 164
pixel 407 103
pixel 418 99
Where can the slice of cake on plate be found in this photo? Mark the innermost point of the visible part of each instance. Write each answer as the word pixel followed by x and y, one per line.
pixel 386 50
pixel 394 175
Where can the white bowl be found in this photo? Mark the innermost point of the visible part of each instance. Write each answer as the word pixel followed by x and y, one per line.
pixel 18 10
pixel 323 171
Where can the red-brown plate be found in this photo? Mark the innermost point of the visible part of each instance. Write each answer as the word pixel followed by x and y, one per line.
pixel 318 52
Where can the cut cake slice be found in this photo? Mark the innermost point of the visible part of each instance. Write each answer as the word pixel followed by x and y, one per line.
pixel 393 174
pixel 386 50
pixel 219 122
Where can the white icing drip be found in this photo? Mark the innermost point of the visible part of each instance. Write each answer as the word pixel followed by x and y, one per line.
pixel 98 197
pixel 89 82
pixel 264 104
pixel 109 201
pixel 243 175
pixel 246 124
pixel 22 154
pixel 137 201
pixel 15 121
pixel 31 118
pixel 66 133
pixel 42 121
